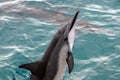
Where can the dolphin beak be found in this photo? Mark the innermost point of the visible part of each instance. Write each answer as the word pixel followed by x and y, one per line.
pixel 73 20
pixel 70 25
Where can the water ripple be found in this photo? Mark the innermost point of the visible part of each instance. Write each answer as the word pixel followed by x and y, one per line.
pixel 24 37
pixel 102 9
pixel 4 57
pixel 84 74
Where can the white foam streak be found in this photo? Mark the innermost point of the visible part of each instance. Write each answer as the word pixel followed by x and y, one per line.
pixel 85 73
pixel 104 31
pixel 102 9
pixel 18 48
pixel 117 46
pixel 34 0
pixel 36 22
pixel 45 43
pixel 65 6
pixel 93 6
pixel 3 64
pixel 4 57
pixel 6 18
pixel 99 60
pixel 9 3
pixel 15 49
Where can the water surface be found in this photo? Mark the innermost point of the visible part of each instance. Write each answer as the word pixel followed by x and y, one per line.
pixel 24 38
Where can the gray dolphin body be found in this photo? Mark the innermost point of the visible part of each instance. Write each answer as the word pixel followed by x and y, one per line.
pixel 19 9
pixel 53 64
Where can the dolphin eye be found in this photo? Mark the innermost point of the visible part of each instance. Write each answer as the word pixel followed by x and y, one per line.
pixel 66 39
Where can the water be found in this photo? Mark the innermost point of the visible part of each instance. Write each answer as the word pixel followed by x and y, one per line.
pixel 25 37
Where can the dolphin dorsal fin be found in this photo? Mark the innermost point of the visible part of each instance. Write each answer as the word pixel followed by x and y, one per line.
pixel 30 66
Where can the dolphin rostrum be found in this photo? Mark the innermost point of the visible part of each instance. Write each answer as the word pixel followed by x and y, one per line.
pixel 59 53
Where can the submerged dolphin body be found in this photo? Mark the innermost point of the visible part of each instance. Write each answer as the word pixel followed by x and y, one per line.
pixel 53 64
pixel 59 18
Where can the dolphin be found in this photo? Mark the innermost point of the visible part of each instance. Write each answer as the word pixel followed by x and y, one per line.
pixel 57 56
pixel 52 16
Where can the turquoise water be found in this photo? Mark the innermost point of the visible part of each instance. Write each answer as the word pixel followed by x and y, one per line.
pixel 24 38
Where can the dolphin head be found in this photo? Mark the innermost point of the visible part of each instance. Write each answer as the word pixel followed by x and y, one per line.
pixel 70 32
